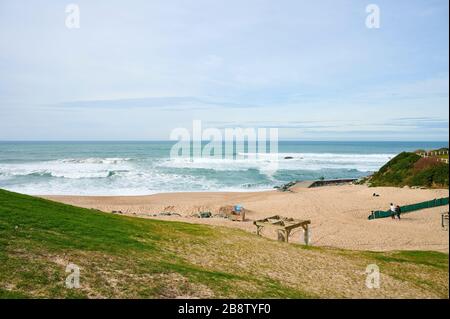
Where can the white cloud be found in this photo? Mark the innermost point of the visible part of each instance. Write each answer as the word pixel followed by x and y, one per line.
pixel 260 60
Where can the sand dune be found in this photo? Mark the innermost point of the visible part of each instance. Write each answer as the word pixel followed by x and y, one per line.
pixel 338 213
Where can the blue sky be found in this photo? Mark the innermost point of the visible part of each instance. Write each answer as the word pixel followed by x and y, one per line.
pixel 138 69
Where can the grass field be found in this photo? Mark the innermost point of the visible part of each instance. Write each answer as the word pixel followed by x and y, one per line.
pixel 125 257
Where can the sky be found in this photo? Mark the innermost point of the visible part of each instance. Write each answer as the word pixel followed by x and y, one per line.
pixel 136 70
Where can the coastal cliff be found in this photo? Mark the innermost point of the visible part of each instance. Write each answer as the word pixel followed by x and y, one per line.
pixel 414 169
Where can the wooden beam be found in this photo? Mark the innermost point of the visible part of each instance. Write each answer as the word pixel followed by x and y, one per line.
pixel 281 235
pixel 283 226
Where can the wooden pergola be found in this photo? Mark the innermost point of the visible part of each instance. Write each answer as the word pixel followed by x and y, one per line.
pixel 283 226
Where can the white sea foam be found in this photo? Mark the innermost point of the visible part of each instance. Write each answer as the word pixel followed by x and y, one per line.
pixel 127 176
pixel 285 161
pixel 96 160
pixel 67 168
pixel 128 183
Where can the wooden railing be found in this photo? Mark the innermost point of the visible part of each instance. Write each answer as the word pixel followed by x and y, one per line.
pixel 436 154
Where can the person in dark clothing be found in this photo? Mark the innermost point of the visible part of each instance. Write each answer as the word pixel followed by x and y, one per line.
pixel 398 211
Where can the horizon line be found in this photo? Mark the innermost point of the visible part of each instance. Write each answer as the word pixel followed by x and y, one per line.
pixel 174 141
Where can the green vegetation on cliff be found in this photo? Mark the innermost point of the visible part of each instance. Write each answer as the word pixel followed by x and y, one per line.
pixel 410 169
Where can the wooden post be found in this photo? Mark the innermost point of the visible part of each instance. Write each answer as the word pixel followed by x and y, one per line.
pixel 258 230
pixel 288 232
pixel 281 235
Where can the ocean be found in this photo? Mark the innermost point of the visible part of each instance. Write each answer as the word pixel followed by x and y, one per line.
pixel 139 168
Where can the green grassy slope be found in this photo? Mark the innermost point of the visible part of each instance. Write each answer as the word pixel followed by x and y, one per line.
pixel 127 257
pixel 411 170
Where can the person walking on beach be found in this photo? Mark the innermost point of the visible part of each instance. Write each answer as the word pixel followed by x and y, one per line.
pixel 393 211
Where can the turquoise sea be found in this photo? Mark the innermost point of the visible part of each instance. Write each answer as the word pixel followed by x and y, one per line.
pixel 135 168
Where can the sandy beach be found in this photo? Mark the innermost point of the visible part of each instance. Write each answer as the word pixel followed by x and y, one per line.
pixel 338 214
